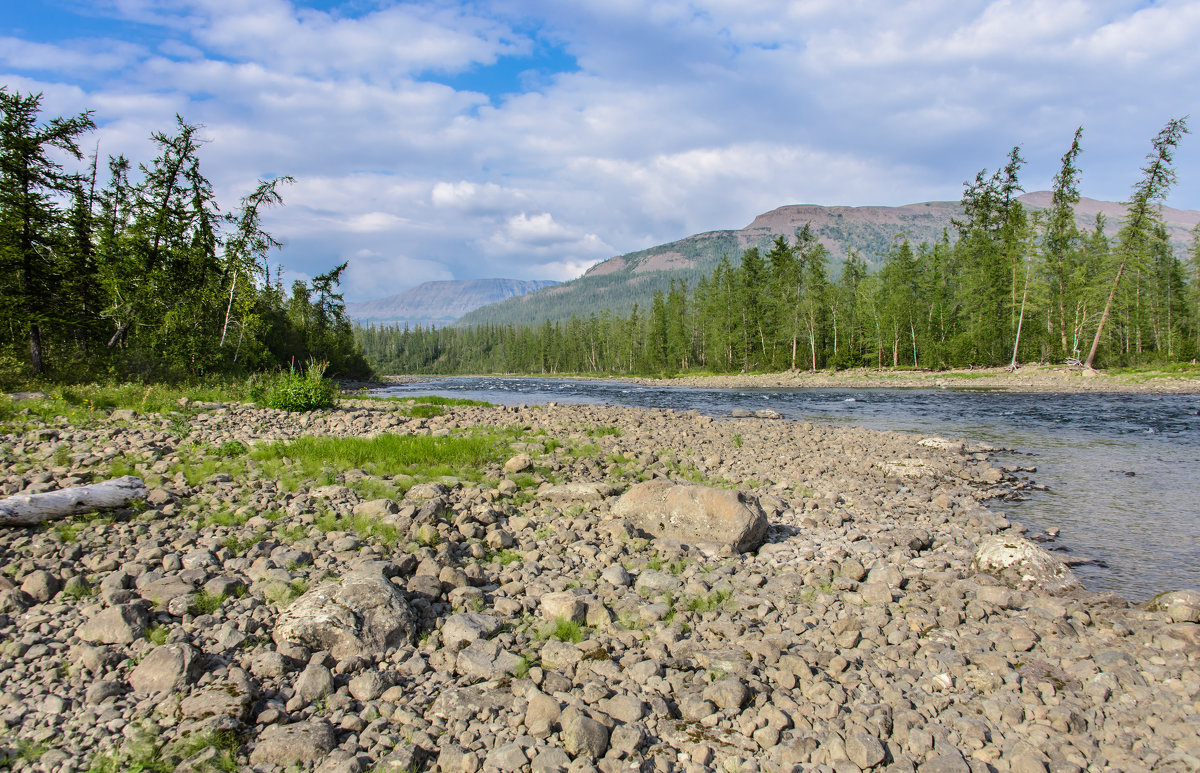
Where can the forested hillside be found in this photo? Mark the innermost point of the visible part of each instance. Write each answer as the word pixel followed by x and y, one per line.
pixel 618 283
pixel 1007 283
pixel 117 269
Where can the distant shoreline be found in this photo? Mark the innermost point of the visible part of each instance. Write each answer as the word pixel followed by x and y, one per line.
pixel 1029 378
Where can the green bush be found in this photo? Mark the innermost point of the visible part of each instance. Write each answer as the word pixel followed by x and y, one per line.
pixel 295 391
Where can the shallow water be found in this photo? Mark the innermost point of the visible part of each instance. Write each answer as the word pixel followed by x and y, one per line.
pixel 1123 471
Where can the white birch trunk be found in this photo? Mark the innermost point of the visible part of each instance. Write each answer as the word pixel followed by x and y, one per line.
pixel 32 509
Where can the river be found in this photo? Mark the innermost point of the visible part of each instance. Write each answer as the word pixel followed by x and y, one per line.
pixel 1122 471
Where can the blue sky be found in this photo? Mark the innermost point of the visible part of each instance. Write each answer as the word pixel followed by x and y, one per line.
pixel 533 138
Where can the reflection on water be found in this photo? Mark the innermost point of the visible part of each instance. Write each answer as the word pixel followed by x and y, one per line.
pixel 1123 471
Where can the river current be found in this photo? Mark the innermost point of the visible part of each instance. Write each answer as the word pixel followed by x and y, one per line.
pixel 1122 471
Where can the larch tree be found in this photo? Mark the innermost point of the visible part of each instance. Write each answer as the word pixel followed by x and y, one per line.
pixel 1143 212
pixel 32 185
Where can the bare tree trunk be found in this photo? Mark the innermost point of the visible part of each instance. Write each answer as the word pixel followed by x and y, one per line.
pixel 32 509
pixel 1104 317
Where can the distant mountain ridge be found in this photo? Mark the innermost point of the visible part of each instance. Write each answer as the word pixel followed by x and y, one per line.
pixel 440 303
pixel 618 283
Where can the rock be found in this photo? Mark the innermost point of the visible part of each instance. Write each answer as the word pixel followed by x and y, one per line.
pixel 169 668
pixel 462 629
pixel 429 490
pixel 486 660
pixel 314 683
pixel 1182 606
pixel 616 575
pixel 361 614
pixel 950 762
pixel 582 735
pixel 367 686
pixel 563 606
pixel 506 757
pixel 728 693
pixel 568 493
pixel 41 585
pixel 102 690
pixel 376 507
pixel 519 463
pixel 864 750
pixel 695 514
pixel 225 699
pixel 297 744
pixel 1023 565
pixel 122 624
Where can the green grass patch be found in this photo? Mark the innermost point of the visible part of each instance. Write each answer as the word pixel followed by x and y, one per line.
pixel 563 629
pixel 366 528
pixel 390 454
pixel 205 603
pixel 296 391
pixel 709 602
pixel 157 634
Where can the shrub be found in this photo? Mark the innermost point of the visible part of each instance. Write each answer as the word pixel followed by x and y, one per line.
pixel 295 391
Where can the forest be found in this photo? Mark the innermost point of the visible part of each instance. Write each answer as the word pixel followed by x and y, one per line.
pixel 1005 286
pixel 116 271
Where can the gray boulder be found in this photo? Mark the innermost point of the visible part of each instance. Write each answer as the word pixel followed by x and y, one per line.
pixel 1023 565
pixel 298 744
pixel 462 629
pixel 122 624
pixel 169 668
pixel 361 614
pixel 695 514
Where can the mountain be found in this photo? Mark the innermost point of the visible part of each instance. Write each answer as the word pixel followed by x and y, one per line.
pixel 617 283
pixel 440 303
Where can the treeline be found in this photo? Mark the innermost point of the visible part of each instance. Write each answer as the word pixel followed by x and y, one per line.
pixel 141 274
pixel 1007 285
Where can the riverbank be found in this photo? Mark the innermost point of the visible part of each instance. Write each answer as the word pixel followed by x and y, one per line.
pixel 506 619
pixel 1029 378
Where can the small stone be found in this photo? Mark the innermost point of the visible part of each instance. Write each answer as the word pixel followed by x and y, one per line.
pixel 367 686
pixel 728 693
pixel 508 757
pixel 518 463
pixel 122 624
pixel 314 683
pixel 582 735
pixel 41 585
pixel 462 629
pixel 169 668
pixel 864 750
pixel 563 606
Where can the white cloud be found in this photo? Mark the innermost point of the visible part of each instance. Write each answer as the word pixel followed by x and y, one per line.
pixel 684 115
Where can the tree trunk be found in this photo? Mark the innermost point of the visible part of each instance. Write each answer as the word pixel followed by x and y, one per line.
pixel 32 509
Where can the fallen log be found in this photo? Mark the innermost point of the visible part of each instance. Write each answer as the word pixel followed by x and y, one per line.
pixel 32 509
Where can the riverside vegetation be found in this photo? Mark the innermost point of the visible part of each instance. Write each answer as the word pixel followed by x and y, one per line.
pixel 1008 286
pixel 434 584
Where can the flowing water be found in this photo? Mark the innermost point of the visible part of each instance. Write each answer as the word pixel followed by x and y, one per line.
pixel 1122 471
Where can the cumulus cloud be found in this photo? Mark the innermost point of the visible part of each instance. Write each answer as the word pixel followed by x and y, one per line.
pixel 668 118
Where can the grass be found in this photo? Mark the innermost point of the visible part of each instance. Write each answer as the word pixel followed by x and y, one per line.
pixel 145 752
pixel 390 454
pixel 205 603
pixel 505 557
pixel 562 629
pixel 437 400
pixel 603 431
pixel 284 593
pixel 709 602
pixel 157 634
pixel 367 528
pixel 296 391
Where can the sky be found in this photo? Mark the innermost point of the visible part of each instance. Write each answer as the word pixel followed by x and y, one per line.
pixel 530 139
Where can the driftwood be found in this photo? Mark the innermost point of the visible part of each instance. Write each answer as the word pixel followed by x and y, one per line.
pixel 32 509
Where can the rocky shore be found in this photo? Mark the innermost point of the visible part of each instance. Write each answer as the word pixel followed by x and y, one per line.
pixel 1028 378
pixel 621 590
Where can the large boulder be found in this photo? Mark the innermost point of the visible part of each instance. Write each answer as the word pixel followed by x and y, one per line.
pixel 1021 564
pixel 695 514
pixel 361 614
